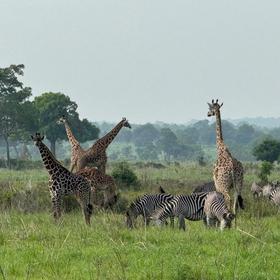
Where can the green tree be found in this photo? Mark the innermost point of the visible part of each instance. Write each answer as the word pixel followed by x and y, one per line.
pixel 265 171
pixel 51 106
pixel 124 175
pixel 245 134
pixel 14 105
pixel 268 150
pixel 144 135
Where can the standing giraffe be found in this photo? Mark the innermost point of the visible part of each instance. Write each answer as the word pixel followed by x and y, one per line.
pixel 97 153
pixel 62 182
pixel 76 149
pixel 100 183
pixel 228 171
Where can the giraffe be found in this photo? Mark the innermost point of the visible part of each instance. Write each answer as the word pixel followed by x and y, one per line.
pixel 228 171
pixel 101 182
pixel 97 153
pixel 62 182
pixel 76 149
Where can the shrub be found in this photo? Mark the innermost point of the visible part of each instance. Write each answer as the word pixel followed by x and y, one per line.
pixel 124 175
pixel 265 171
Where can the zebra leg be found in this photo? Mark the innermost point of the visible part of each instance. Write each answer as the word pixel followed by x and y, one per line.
pixel 172 221
pixel 205 221
pixel 182 224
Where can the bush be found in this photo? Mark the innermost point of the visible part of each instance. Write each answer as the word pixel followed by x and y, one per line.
pixel 265 171
pixel 124 175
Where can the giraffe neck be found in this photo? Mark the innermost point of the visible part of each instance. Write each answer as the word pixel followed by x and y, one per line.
pixel 219 133
pixel 107 139
pixel 73 141
pixel 50 162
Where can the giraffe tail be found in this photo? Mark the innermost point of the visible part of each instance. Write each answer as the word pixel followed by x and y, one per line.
pixel 89 205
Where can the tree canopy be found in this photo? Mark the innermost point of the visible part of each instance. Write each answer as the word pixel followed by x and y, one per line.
pixel 15 108
pixel 268 150
pixel 50 107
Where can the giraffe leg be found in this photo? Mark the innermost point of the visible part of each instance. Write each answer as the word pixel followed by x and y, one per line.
pixel 86 205
pixel 56 202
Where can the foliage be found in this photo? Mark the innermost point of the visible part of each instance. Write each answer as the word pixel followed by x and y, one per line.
pixel 15 110
pixel 268 150
pixel 265 171
pixel 51 106
pixel 124 175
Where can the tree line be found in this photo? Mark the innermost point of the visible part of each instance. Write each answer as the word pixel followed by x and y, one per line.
pixel 20 117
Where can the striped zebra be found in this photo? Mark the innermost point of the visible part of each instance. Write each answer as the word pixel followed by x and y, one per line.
pixel 182 206
pixel 145 206
pixel 256 190
pixel 275 196
pixel 269 188
pixel 216 211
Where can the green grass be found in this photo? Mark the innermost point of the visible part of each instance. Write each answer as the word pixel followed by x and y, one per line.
pixel 33 246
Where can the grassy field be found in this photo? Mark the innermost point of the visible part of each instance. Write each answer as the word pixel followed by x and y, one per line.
pixel 32 246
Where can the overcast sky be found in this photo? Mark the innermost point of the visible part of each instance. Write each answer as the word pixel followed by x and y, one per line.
pixel 148 60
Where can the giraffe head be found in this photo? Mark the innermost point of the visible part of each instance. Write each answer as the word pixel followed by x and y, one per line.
pixel 37 138
pixel 126 123
pixel 214 107
pixel 61 120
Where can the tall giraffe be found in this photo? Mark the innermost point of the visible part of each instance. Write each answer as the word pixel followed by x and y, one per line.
pixel 100 183
pixel 97 153
pixel 228 171
pixel 62 182
pixel 76 149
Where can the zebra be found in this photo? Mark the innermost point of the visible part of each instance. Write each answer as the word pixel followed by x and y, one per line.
pixel 275 196
pixel 206 187
pixel 145 206
pixel 182 206
pixel 268 189
pixel 216 211
pixel 256 190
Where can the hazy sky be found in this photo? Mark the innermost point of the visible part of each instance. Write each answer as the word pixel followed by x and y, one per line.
pixel 148 60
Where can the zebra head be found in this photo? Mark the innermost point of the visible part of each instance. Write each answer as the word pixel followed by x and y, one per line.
pixel 132 213
pixel 226 221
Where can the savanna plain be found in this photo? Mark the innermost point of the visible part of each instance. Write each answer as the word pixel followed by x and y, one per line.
pixel 33 246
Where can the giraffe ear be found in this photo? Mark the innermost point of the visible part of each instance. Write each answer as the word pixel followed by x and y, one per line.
pixel 32 137
pixel 221 105
pixel 42 137
pixel 212 101
pixel 209 104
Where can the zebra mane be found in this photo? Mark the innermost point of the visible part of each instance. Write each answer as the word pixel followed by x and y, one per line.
pixel 134 203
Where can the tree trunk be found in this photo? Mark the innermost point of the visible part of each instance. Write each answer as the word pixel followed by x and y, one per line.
pixel 53 146
pixel 8 152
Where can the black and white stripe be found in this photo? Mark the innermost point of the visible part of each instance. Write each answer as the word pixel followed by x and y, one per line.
pixel 145 206
pixel 216 211
pixel 275 196
pixel 182 206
